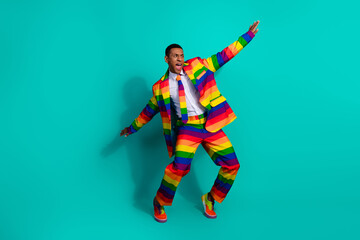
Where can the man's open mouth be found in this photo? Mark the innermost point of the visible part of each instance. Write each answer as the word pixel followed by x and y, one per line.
pixel 178 66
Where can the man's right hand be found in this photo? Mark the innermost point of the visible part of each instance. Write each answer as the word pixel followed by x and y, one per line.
pixel 125 131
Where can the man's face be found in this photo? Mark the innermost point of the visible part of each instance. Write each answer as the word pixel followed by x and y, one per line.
pixel 175 60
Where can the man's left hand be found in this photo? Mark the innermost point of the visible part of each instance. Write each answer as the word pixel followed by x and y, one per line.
pixel 254 26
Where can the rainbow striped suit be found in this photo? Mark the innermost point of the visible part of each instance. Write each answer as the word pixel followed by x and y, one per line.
pixel 201 73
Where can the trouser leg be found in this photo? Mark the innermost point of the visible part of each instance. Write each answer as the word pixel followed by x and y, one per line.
pixel 222 153
pixel 187 142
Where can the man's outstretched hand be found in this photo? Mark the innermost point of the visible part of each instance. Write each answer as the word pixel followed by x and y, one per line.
pixel 254 26
pixel 125 131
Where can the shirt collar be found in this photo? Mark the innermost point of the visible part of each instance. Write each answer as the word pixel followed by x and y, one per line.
pixel 174 75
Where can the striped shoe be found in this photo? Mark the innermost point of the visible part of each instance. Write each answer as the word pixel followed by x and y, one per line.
pixel 208 207
pixel 159 212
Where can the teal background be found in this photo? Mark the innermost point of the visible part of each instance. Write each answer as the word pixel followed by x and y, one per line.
pixel 73 74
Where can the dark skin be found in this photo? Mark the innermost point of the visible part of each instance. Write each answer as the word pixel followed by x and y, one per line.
pixel 175 60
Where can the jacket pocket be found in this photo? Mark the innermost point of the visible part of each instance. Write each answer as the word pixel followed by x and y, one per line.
pixel 200 75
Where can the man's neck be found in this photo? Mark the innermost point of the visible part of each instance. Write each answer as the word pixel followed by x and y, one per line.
pixel 182 72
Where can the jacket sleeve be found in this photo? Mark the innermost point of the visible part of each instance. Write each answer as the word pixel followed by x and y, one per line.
pixel 219 59
pixel 150 110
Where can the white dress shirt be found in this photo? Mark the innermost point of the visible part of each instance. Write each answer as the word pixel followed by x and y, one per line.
pixel 192 95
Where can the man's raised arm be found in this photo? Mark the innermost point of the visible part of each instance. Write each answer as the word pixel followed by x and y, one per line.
pixel 219 59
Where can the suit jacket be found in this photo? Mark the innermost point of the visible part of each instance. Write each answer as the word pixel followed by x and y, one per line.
pixel 201 73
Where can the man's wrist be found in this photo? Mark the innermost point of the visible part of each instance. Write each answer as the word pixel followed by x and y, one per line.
pixel 131 129
pixel 251 34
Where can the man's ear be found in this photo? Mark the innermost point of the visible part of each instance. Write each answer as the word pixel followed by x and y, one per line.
pixel 166 59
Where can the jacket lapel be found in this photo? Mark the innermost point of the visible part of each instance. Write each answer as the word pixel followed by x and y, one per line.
pixel 165 92
pixel 197 80
pixel 188 69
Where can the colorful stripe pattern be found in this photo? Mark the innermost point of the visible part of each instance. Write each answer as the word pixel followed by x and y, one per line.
pixel 201 73
pixel 182 99
pixel 219 149
pixel 150 110
pixel 198 119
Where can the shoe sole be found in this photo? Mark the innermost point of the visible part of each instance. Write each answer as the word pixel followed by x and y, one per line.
pixel 160 220
pixel 207 215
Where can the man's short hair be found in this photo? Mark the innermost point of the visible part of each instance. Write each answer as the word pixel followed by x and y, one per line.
pixel 174 45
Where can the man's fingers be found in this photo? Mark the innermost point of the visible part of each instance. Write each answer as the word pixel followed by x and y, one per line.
pixel 254 26
pixel 125 131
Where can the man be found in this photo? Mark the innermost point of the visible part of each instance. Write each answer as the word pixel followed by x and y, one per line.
pixel 193 111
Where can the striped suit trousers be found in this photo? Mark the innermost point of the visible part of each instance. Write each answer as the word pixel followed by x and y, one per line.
pixel 219 148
